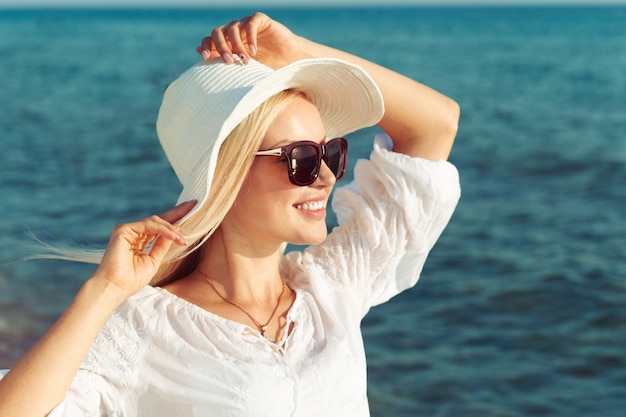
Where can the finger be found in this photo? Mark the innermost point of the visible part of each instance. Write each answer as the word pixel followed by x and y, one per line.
pixel 205 43
pixel 159 249
pixel 234 33
pixel 176 213
pixel 253 24
pixel 204 48
pixel 140 242
pixel 140 234
pixel 206 54
pixel 249 32
pixel 221 44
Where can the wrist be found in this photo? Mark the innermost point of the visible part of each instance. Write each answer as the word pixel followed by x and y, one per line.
pixel 102 294
pixel 308 48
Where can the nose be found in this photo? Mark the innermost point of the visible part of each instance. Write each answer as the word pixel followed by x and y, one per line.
pixel 326 178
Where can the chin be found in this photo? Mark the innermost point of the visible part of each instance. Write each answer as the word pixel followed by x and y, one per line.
pixel 311 240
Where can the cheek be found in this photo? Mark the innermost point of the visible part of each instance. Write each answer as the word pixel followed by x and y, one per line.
pixel 269 175
pixel 266 186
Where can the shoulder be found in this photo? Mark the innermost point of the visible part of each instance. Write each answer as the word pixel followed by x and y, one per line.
pixel 135 323
pixel 156 307
pixel 131 320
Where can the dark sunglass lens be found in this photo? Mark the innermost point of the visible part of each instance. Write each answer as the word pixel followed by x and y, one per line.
pixel 335 158
pixel 304 164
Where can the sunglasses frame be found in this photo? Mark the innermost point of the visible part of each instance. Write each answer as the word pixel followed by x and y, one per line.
pixel 320 149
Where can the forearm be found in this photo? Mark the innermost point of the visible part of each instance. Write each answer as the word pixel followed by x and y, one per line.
pixel 41 379
pixel 421 121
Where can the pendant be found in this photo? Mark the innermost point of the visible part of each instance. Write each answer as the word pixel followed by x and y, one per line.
pixel 263 330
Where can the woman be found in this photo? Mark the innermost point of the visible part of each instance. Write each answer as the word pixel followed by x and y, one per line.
pixel 230 326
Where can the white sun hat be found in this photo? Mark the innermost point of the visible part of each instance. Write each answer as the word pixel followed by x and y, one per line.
pixel 202 107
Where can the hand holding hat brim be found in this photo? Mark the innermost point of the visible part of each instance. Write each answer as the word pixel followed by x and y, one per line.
pixel 256 36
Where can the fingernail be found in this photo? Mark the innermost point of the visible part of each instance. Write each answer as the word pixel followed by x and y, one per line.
pixel 228 58
pixel 252 49
pixel 205 54
pixel 244 58
pixel 179 237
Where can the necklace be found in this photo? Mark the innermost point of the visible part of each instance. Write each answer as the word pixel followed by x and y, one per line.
pixel 261 327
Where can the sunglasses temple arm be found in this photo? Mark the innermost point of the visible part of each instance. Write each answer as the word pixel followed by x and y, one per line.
pixel 270 152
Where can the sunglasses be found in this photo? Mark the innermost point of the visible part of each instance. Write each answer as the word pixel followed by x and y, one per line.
pixel 304 159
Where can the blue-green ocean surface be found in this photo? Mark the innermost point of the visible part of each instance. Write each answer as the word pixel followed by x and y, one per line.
pixel 521 309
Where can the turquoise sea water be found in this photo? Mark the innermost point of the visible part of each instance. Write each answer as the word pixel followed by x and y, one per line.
pixel 521 310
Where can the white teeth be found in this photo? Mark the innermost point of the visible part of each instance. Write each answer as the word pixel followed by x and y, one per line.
pixel 316 205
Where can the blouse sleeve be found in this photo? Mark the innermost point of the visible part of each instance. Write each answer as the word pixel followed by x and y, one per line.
pixel 389 218
pixel 101 386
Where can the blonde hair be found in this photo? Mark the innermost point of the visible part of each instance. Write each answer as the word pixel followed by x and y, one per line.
pixel 233 164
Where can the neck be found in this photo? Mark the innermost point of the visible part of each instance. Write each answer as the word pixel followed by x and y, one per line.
pixel 242 274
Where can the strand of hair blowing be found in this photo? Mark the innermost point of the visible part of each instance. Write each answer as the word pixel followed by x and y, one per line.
pixel 233 164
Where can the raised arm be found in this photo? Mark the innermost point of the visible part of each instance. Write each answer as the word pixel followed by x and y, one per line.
pixel 40 380
pixel 422 122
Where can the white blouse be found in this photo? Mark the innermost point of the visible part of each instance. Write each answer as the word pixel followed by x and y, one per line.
pixel 161 356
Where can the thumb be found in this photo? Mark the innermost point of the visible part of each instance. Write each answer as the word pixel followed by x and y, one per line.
pixel 159 249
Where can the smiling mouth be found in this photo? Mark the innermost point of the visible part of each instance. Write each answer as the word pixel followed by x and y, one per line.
pixel 311 206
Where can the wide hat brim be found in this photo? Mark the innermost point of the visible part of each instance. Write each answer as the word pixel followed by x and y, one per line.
pixel 202 107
